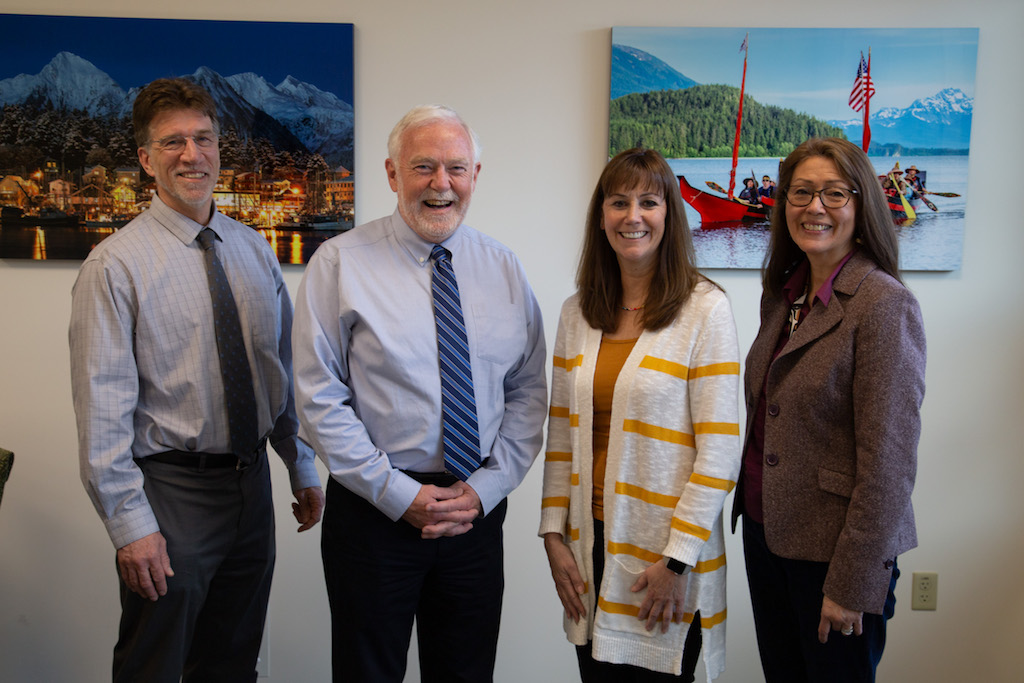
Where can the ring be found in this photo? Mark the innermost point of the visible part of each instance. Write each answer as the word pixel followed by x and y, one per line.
pixel 847 631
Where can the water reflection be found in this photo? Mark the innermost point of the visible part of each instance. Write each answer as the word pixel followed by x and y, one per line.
pixel 47 244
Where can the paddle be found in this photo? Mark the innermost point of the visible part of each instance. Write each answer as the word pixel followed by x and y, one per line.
pixel 927 202
pixel 907 208
pixel 718 188
pixel 919 193
pixel 942 194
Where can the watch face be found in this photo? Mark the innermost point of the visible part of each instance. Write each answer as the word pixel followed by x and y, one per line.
pixel 676 566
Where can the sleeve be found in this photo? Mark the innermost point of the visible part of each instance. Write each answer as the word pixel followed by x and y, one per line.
pixel 888 390
pixel 105 389
pixel 713 389
pixel 521 432
pixel 558 450
pixel 298 457
pixel 323 398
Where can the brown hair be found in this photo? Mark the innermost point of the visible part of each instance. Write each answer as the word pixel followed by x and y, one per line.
pixel 598 279
pixel 170 94
pixel 873 227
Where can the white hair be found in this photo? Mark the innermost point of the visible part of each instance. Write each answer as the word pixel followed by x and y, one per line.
pixel 423 115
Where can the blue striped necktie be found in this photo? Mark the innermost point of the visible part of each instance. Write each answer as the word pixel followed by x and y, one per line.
pixel 458 404
pixel 234 364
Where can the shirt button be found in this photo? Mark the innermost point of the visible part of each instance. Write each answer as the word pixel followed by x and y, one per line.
pixel 773 409
pixel 772 459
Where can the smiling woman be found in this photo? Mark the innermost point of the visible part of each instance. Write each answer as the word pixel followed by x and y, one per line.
pixel 647 366
pixel 633 220
pixel 834 384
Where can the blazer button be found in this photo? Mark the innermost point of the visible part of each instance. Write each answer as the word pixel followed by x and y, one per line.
pixel 889 564
pixel 772 459
pixel 773 409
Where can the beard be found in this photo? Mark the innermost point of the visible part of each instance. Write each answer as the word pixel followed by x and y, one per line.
pixel 430 225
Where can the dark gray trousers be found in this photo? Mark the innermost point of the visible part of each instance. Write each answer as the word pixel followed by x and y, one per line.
pixel 219 527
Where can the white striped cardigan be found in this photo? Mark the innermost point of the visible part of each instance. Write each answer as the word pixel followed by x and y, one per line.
pixel 673 456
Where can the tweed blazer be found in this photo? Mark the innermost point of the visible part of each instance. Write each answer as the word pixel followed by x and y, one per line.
pixel 841 430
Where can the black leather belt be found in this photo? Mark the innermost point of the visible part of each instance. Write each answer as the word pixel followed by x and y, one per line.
pixel 206 461
pixel 433 478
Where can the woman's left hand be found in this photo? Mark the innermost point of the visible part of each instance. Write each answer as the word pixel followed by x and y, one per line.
pixel 835 617
pixel 664 599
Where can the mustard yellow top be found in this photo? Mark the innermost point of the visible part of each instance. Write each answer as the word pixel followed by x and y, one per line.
pixel 610 359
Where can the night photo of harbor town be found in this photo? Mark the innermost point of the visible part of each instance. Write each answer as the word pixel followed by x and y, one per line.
pixel 69 171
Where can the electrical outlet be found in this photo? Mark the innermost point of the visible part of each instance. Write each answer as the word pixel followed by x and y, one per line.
pixel 925 593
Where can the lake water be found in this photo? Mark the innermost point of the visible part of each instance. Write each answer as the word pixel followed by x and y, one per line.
pixel 933 242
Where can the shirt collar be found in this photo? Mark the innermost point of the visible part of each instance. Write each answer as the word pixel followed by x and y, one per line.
pixel 182 227
pixel 797 282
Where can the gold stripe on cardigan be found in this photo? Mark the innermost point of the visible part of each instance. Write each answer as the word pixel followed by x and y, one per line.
pixel 659 433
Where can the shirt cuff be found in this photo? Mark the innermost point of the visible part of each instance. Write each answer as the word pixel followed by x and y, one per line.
pixel 131 526
pixel 399 494
pixel 303 475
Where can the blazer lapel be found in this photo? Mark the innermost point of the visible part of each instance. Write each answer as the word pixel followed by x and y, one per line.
pixel 821 319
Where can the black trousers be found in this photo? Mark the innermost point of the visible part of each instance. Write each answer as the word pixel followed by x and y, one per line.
pixel 786 597
pixel 381 576
pixel 219 528
pixel 593 671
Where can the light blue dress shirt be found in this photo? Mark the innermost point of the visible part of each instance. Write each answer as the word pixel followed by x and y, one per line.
pixel 145 375
pixel 367 382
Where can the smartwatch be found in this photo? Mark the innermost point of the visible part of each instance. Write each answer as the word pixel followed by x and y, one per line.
pixel 677 567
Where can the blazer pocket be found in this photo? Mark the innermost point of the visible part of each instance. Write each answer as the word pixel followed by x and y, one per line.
pixel 835 482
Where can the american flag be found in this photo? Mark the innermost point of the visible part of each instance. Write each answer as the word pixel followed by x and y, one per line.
pixel 863 88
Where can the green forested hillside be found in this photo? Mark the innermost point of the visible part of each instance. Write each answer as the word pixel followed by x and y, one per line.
pixel 701 122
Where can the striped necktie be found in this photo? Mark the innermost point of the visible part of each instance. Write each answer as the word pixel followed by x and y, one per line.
pixel 234 364
pixel 458 404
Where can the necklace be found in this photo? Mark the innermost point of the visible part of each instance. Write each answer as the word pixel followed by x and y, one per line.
pixel 626 308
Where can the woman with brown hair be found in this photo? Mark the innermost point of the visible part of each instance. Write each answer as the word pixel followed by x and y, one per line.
pixel 643 438
pixel 834 383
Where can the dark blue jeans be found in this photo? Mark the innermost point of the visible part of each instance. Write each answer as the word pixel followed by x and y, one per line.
pixel 786 596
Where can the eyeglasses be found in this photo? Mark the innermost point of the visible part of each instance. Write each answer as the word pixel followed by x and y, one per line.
pixel 176 143
pixel 831 197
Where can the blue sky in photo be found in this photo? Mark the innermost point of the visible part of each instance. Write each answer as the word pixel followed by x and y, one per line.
pixel 812 70
pixel 135 51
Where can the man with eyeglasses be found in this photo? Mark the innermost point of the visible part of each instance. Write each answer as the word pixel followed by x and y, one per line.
pixel 181 371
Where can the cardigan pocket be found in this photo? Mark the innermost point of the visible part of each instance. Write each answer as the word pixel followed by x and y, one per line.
pixel 618 605
pixel 839 483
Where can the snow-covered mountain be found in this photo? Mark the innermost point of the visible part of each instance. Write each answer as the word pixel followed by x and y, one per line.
pixel 291 115
pixel 321 120
pixel 67 82
pixel 940 121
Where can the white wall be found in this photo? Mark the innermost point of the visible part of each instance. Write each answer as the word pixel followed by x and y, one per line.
pixel 532 77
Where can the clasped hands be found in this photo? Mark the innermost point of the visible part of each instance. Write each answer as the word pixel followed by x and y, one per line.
pixel 444 510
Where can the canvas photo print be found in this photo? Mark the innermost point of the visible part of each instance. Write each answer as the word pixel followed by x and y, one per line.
pixel 726 105
pixel 69 171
